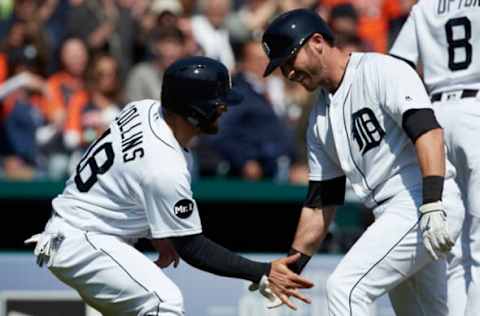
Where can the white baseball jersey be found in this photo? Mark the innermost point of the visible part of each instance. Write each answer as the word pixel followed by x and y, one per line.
pixel 134 181
pixel 444 35
pixel 358 131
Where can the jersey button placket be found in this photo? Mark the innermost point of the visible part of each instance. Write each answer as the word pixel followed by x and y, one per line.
pixel 339 137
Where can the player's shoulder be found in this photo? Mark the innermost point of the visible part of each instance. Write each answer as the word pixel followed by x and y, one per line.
pixel 168 170
pixel 138 111
pixel 161 145
pixel 142 106
pixel 140 125
pixel 377 63
pixel 426 6
pixel 371 58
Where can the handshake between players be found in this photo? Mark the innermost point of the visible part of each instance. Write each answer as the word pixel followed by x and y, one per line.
pixel 276 285
pixel 282 283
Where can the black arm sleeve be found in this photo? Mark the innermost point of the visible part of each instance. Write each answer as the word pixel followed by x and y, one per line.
pixel 417 122
pixel 204 254
pixel 326 193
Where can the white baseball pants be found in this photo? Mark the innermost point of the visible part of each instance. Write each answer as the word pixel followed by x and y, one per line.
pixel 389 252
pixel 111 275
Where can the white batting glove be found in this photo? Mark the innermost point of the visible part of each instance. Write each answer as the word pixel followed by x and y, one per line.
pixel 434 228
pixel 264 289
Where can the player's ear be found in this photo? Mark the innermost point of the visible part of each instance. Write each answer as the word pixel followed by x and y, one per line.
pixel 317 43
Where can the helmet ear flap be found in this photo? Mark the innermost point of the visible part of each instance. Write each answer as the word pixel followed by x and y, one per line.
pixel 203 115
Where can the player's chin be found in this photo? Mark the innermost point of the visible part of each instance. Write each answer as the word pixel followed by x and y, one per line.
pixel 308 85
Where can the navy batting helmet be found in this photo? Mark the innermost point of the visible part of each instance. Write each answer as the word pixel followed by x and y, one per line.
pixel 194 87
pixel 288 32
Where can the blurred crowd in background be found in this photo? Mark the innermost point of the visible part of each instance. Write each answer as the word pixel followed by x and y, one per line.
pixel 68 66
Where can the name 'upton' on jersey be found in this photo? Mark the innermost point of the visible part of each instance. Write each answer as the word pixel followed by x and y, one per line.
pixel 133 181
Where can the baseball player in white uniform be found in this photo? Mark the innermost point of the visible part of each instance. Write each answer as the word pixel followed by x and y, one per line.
pixel 444 37
pixel 373 124
pixel 134 182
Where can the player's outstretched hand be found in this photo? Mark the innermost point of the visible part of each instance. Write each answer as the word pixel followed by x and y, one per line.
pixel 434 228
pixel 284 283
pixel 166 253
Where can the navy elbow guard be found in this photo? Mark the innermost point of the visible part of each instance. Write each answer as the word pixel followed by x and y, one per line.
pixel 326 193
pixel 417 122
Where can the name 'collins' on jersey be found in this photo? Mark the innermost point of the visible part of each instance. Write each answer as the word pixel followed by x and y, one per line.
pixel 134 181
pixel 357 132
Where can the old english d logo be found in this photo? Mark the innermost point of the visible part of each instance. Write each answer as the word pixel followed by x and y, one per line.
pixel 367 132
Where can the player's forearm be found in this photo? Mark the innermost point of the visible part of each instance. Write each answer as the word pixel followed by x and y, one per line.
pixel 312 229
pixel 431 158
pixel 204 254
pixel 431 153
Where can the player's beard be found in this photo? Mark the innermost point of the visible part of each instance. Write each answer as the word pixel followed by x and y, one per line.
pixel 211 128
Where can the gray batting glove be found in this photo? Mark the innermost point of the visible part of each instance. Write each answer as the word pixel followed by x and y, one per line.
pixel 434 228
pixel 264 289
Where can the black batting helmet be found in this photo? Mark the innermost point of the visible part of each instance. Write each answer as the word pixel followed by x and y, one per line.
pixel 194 87
pixel 288 32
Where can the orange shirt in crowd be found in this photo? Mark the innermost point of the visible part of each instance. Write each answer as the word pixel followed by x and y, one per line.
pixel 374 17
pixel 61 86
pixel 77 103
pixel 85 121
pixel 3 67
pixel 35 100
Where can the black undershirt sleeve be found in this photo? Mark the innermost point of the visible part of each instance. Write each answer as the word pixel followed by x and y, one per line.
pixel 206 255
pixel 326 193
pixel 417 122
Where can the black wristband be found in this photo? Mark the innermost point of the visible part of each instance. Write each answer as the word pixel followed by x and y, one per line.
pixel 432 189
pixel 298 265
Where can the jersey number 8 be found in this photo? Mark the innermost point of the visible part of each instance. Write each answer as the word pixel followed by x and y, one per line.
pixel 459 43
pixel 90 160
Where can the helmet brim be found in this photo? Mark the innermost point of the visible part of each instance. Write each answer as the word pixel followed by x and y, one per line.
pixel 233 97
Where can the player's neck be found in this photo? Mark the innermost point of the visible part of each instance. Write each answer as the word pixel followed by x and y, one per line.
pixel 182 130
pixel 339 66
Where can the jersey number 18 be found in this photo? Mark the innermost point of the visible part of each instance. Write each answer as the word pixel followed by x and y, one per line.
pixel 459 43
pixel 91 160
